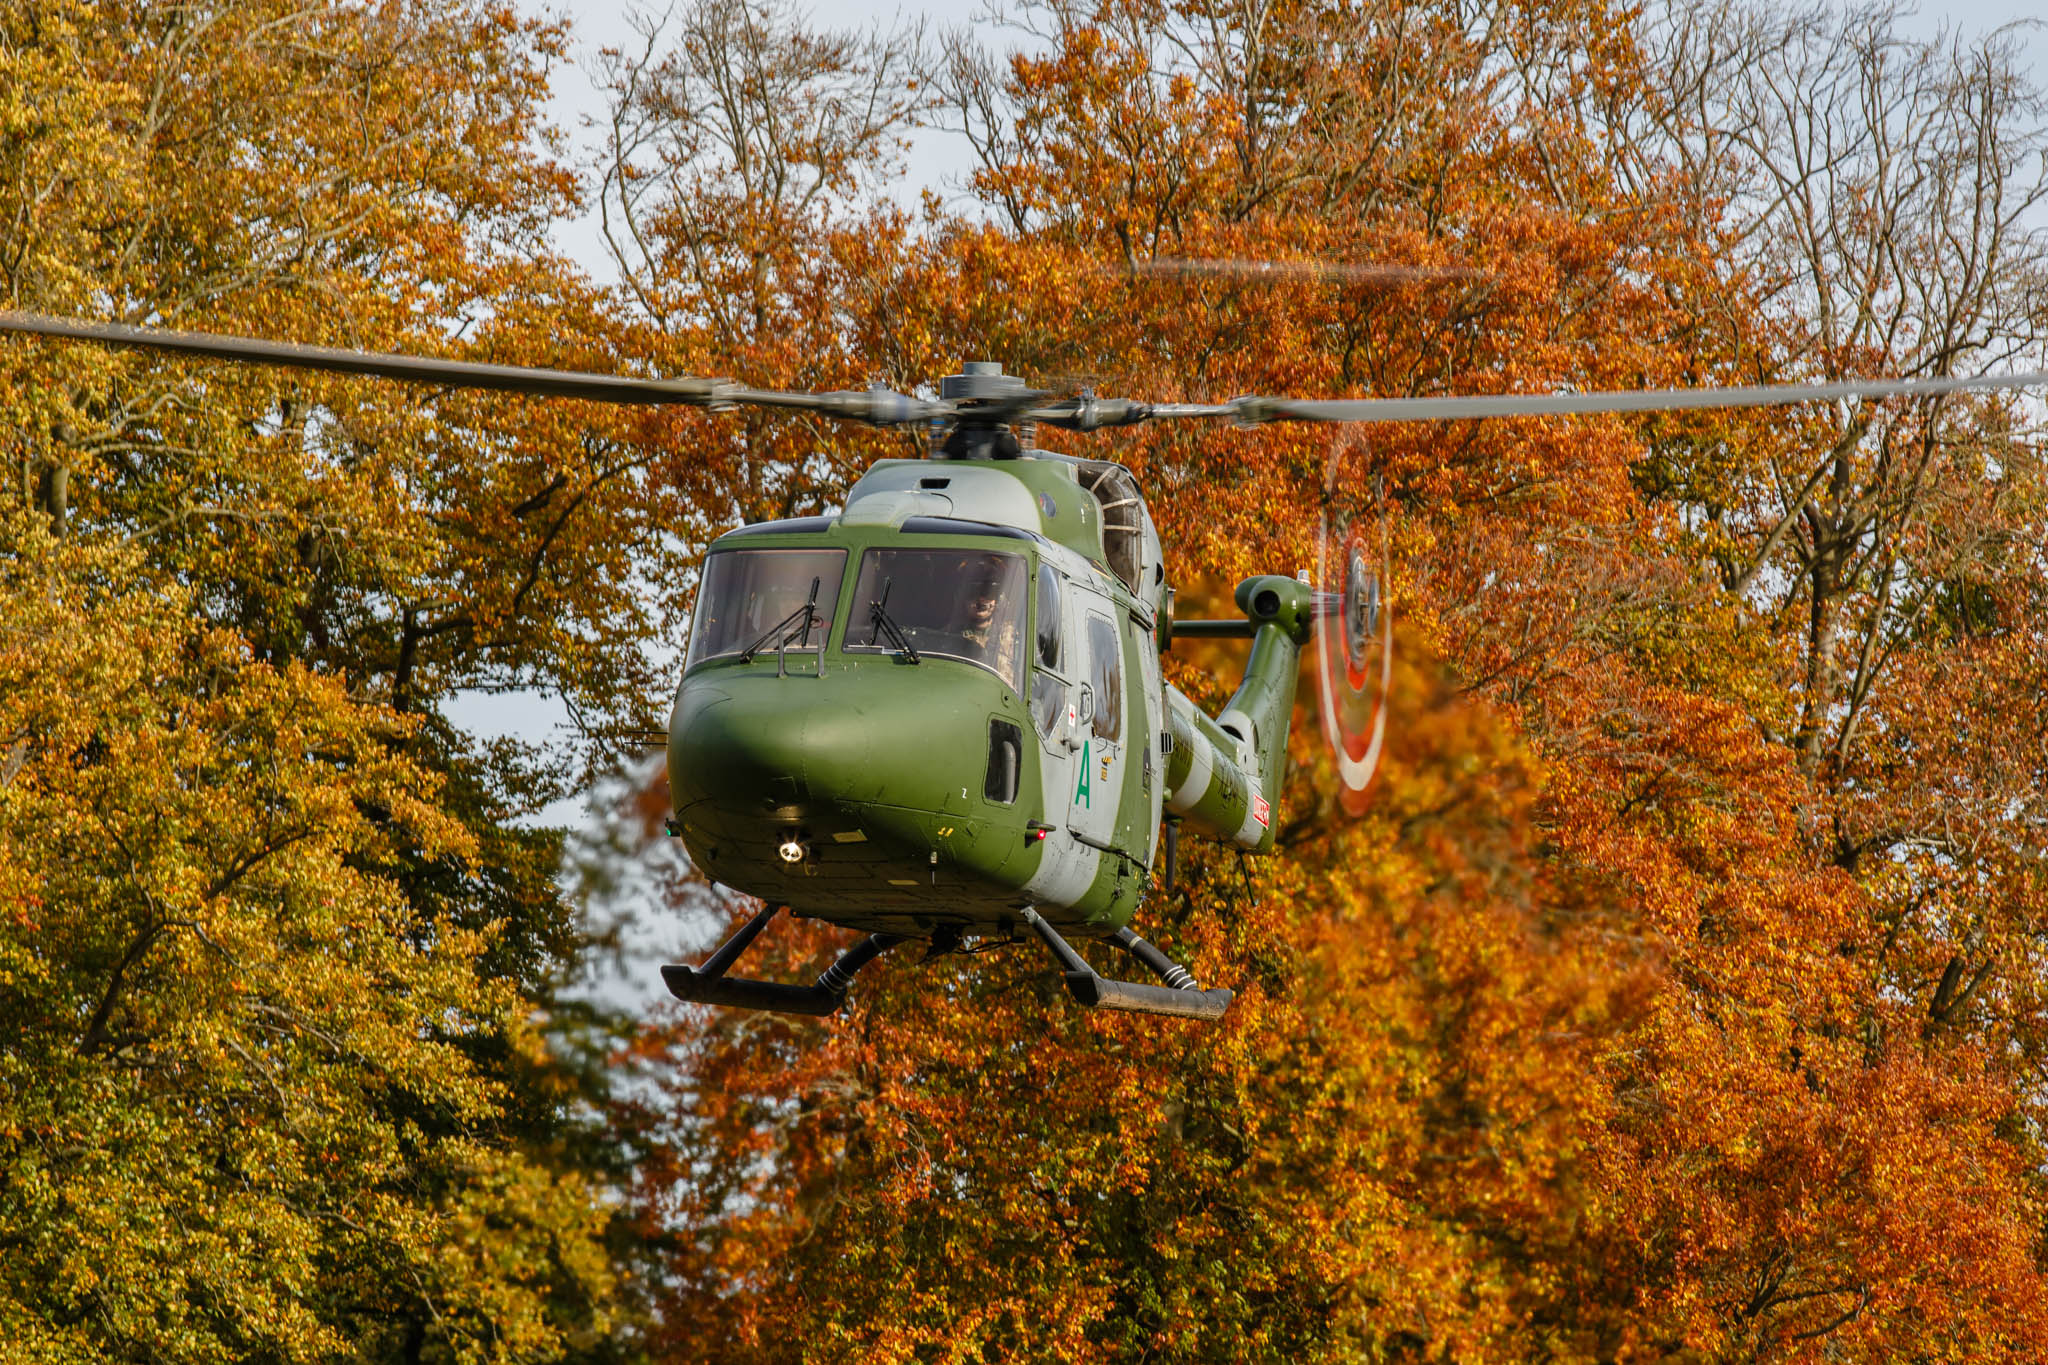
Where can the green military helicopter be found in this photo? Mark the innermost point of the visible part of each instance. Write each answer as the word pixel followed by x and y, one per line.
pixel 939 715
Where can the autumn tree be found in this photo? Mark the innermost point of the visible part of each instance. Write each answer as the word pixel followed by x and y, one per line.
pixel 1873 201
pixel 276 1086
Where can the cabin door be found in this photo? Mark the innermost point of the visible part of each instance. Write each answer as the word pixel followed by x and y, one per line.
pixel 1102 723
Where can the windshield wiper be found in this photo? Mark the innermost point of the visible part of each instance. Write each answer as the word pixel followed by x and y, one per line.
pixel 789 628
pixel 879 616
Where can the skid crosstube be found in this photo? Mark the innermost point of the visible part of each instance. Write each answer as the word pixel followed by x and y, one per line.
pixel 1180 995
pixel 709 984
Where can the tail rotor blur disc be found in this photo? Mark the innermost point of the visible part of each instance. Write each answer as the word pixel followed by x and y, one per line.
pixel 1355 619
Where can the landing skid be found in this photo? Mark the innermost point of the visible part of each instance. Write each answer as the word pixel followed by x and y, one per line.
pixel 1179 996
pixel 709 984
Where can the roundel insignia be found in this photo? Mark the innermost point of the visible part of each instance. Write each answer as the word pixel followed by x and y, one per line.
pixel 1048 506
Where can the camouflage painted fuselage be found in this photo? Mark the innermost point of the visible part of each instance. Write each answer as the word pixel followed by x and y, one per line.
pixel 943 793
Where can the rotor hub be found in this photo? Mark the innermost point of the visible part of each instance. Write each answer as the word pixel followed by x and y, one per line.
pixel 981 381
pixel 1361 609
pixel 986 401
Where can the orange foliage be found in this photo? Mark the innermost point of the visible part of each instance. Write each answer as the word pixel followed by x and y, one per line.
pixel 1590 1041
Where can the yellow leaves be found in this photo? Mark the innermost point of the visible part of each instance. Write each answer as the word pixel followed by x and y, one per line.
pixel 253 930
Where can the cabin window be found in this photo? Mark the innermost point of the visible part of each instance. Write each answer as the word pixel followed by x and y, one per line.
pixel 1005 762
pixel 1048 702
pixel 1107 680
pixel 743 596
pixel 954 604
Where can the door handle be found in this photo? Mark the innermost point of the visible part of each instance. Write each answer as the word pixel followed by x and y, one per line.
pixel 1084 714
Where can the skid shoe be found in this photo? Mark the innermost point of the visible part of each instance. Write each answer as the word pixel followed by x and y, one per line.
pixel 709 984
pixel 1179 996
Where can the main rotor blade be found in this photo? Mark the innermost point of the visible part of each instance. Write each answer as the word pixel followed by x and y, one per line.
pixel 1168 267
pixel 877 405
pixel 601 388
pixel 1254 410
pixel 1094 414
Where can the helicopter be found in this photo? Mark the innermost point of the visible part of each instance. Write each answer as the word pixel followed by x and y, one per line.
pixel 938 715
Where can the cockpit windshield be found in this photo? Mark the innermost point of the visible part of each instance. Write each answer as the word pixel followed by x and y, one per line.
pixel 960 604
pixel 754 599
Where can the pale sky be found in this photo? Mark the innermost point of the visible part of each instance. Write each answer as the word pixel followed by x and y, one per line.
pixel 935 157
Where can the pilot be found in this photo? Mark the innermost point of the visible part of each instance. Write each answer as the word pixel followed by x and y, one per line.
pixel 990 632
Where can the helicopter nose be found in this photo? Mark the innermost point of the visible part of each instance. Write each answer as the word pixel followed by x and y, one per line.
pixel 760 746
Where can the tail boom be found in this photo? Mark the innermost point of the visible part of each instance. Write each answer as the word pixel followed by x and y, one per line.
pixel 1224 773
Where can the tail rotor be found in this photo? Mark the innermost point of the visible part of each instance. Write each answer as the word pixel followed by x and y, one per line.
pixel 1354 618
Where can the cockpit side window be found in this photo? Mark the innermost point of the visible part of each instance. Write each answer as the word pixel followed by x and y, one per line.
pixel 754 599
pixel 957 604
pixel 1048 692
pixel 1048 618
